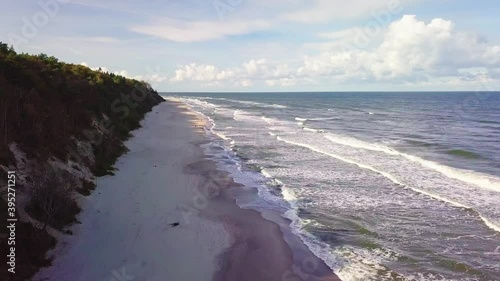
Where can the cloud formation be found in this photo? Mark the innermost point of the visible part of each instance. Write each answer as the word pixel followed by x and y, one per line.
pixel 409 48
pixel 243 75
pixel 188 31
pixel 273 45
pixel 246 17
pixel 408 51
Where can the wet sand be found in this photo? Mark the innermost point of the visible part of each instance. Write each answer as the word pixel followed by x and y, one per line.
pixel 259 250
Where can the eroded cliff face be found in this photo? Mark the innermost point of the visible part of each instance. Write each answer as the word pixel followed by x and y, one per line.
pixel 61 126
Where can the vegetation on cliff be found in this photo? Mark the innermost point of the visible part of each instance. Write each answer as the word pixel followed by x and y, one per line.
pixel 60 125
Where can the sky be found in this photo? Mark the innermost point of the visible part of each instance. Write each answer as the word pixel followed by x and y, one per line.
pixel 269 45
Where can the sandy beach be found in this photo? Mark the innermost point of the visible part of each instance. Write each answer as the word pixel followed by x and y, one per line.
pixel 169 214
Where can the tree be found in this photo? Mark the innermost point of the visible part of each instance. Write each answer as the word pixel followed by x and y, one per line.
pixel 5 49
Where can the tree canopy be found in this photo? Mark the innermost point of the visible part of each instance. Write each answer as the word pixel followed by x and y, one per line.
pixel 44 102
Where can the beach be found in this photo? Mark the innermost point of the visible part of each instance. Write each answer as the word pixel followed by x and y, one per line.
pixel 168 213
pixel 370 188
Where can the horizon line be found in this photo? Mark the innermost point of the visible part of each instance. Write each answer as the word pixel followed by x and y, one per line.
pixel 279 92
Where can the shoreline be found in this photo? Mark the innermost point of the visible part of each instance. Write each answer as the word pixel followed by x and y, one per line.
pixel 166 179
pixel 264 246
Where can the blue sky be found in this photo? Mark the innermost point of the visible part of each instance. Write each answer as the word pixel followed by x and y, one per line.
pixel 279 45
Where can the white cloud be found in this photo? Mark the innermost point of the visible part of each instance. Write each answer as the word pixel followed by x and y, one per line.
pixel 283 82
pixel 123 73
pixel 259 15
pixel 102 68
pixel 407 51
pixel 226 75
pixel 410 49
pixel 186 31
pixel 244 83
pixel 255 69
pixel 153 78
pixel 196 72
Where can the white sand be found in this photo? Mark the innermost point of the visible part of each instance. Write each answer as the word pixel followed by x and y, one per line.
pixel 125 233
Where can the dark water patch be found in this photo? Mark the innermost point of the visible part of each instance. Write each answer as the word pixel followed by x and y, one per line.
pixel 241 155
pixel 464 154
pixel 487 122
pixel 370 245
pixel 254 167
pixel 406 259
pixel 327 235
pixel 393 275
pixel 217 148
pixel 251 152
pixel 456 266
pixel 365 231
pixel 275 166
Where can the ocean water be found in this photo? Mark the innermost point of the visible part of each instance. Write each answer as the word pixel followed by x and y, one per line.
pixel 381 186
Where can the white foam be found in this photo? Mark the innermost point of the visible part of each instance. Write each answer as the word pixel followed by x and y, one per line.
pixel 389 176
pixel 310 130
pixel 210 120
pixel 267 120
pixel 490 224
pixel 479 179
pixel 288 194
pixel 256 103
pixel 364 266
pixel 319 249
pixel 265 173
pixel 488 182
pixel 198 102
pixel 279 106
pixel 353 268
pixel 323 118
pixel 392 178
pixel 235 115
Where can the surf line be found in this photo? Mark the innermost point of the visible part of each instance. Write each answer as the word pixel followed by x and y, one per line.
pixel 394 180
pixel 452 173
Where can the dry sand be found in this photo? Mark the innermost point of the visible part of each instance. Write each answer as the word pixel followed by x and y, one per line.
pixel 165 178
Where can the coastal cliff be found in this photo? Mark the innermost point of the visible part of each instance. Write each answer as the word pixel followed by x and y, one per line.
pixel 61 126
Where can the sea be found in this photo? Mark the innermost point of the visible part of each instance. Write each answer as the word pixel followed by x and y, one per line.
pixel 379 185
